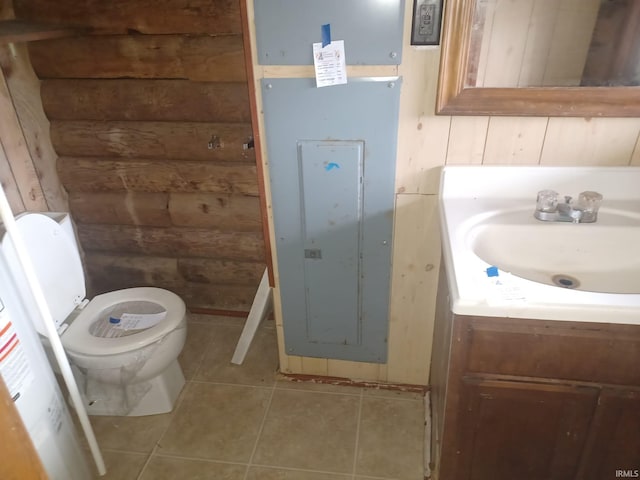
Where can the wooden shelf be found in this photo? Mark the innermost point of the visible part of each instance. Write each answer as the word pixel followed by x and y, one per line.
pixel 19 31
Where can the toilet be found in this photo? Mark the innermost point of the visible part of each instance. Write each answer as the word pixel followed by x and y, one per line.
pixel 122 345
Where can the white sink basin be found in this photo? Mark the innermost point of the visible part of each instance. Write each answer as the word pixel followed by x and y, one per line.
pixel 595 257
pixel 502 262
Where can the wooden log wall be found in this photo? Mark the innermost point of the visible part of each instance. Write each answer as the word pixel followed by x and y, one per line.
pixel 134 103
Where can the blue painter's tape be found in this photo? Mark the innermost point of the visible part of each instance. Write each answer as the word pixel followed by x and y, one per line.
pixel 492 272
pixel 331 166
pixel 326 34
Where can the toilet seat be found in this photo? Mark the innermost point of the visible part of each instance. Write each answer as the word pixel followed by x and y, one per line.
pixel 56 263
pixel 78 339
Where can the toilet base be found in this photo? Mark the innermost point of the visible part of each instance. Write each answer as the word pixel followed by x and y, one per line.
pixel 160 398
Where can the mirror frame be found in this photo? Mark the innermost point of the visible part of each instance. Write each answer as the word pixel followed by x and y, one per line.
pixel 455 99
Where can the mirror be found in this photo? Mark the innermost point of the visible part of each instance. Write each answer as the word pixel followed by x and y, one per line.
pixel 509 57
pixel 555 43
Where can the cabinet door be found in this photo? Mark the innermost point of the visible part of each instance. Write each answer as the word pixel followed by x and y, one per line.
pixel 517 430
pixel 614 438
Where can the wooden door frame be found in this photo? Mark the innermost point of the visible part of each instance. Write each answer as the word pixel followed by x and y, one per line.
pixel 253 105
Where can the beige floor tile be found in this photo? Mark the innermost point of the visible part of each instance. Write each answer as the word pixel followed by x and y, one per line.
pixel 217 422
pixel 381 392
pixel 263 473
pixel 199 336
pixel 391 439
pixel 309 430
pixel 165 468
pixel 317 387
pixel 130 434
pixel 120 465
pixel 259 366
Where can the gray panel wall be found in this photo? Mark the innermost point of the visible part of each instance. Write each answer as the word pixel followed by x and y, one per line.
pixel 332 166
pixel 371 30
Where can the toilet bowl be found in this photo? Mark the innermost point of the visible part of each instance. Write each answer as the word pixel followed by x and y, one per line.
pixel 122 345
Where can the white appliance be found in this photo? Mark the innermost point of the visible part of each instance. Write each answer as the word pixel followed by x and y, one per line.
pixel 32 384
pixel 27 373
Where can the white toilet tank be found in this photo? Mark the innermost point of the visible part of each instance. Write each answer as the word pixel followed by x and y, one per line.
pixel 51 245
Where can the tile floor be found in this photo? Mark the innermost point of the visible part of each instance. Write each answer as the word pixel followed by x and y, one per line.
pixel 243 423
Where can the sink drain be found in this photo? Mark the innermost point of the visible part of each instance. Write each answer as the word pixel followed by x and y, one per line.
pixel 565 281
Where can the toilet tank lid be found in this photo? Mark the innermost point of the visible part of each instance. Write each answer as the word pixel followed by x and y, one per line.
pixel 56 262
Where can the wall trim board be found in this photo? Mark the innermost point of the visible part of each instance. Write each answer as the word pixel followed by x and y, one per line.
pixel 257 139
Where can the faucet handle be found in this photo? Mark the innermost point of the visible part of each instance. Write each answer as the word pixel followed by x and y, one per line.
pixel 547 201
pixel 589 202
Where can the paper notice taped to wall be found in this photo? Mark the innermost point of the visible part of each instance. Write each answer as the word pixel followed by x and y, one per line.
pixel 330 64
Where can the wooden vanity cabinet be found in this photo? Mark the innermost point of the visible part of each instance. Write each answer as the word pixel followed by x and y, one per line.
pixel 533 399
pixel 521 430
pixel 614 437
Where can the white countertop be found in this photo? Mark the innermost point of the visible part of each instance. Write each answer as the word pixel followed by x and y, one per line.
pixel 471 194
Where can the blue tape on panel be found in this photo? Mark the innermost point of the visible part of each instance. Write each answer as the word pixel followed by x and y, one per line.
pixel 331 166
pixel 492 272
pixel 326 34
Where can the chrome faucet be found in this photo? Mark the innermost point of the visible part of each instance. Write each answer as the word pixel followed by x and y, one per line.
pixel 548 209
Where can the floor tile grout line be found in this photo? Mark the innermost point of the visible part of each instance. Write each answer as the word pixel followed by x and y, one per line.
pixel 290 389
pixel 196 371
pixel 319 391
pixel 363 391
pixel 260 430
pixel 230 384
pixel 198 366
pixel 202 357
pixel 357 444
pixel 146 463
pixel 198 459
pixel 164 432
pixel 369 477
pixel 308 470
pixel 399 398
pixel 127 452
